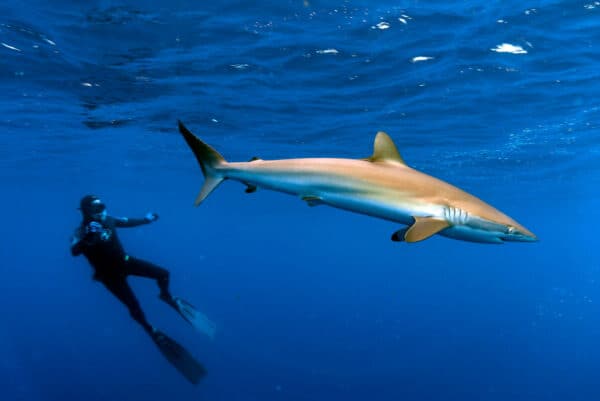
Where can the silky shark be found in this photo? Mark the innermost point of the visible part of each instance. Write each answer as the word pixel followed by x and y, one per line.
pixel 382 185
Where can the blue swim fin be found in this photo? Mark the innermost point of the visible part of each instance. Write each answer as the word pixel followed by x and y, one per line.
pixel 196 318
pixel 192 315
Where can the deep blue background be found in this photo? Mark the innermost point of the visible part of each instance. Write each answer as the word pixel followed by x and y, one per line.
pixel 311 303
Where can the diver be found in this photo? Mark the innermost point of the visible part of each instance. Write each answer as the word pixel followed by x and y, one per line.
pixel 96 238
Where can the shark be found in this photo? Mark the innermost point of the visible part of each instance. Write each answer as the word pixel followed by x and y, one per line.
pixel 381 185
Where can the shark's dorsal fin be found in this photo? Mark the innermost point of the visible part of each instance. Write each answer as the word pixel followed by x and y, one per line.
pixel 384 150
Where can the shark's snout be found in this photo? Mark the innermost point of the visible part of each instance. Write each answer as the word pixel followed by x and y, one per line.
pixel 520 234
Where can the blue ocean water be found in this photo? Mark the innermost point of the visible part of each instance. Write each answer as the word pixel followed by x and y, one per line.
pixel 499 98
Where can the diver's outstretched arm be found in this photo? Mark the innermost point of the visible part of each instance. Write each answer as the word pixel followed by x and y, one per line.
pixel 134 222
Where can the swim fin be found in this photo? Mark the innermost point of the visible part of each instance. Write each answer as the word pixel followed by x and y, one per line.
pixel 179 357
pixel 192 315
pixel 195 317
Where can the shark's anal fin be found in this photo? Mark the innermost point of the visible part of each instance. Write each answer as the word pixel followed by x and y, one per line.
pixel 249 187
pixel 312 200
pixel 424 227
pixel 398 236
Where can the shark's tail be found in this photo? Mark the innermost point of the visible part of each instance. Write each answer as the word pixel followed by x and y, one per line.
pixel 209 160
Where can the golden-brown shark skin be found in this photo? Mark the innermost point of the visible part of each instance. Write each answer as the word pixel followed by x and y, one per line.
pixel 384 184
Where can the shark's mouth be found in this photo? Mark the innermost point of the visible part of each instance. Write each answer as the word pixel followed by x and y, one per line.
pixel 466 233
pixel 484 231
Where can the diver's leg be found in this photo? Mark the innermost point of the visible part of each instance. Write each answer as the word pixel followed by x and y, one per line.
pixel 141 268
pixel 119 288
pixel 138 267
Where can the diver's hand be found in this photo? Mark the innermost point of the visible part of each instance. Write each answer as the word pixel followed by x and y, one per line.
pixel 94 227
pixel 150 217
pixel 94 232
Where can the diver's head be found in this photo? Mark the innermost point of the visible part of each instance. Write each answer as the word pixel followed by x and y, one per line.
pixel 92 208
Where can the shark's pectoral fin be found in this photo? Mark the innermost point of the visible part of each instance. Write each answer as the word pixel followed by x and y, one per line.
pixel 423 228
pixel 250 188
pixel 312 200
pixel 398 236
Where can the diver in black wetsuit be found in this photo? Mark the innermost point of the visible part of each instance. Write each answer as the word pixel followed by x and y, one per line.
pixel 96 238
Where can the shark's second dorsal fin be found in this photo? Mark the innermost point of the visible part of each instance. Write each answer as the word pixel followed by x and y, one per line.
pixel 385 150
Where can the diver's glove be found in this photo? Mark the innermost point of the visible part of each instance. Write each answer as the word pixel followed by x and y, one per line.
pixel 150 217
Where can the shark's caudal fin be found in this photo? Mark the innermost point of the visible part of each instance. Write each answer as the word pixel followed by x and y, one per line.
pixel 208 159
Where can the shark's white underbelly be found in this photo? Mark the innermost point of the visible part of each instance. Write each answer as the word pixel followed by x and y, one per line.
pixel 342 193
pixel 369 199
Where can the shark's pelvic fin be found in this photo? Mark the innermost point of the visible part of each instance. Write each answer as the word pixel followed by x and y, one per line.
pixel 250 188
pixel 208 159
pixel 384 150
pixel 312 200
pixel 424 227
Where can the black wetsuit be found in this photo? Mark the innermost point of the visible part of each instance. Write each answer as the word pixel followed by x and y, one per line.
pixel 99 242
